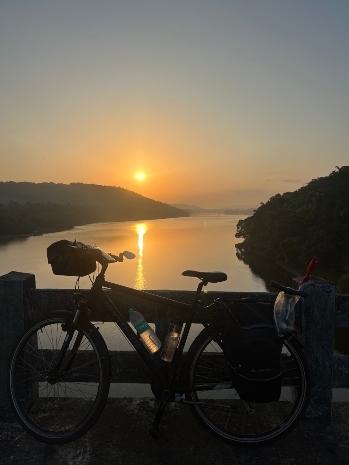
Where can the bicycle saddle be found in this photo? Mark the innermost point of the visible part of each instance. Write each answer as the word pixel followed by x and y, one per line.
pixel 207 276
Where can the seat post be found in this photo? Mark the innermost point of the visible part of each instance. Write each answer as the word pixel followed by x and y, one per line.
pixel 198 292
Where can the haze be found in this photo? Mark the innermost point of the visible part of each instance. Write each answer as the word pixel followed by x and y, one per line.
pixel 216 103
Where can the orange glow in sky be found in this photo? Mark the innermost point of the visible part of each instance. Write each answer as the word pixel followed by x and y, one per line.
pixel 222 104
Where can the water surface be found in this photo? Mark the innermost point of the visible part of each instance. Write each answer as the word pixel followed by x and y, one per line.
pixel 164 249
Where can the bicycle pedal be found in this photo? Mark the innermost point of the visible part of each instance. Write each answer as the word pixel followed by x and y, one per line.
pixel 154 430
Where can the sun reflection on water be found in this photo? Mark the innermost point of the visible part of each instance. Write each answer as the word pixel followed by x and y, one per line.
pixel 141 229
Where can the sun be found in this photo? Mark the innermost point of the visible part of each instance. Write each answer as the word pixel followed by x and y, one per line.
pixel 140 176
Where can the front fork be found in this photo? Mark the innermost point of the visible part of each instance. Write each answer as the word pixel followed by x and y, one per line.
pixel 56 373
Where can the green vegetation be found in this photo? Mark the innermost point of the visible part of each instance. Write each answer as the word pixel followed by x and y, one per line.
pixel 27 208
pixel 29 218
pixel 293 227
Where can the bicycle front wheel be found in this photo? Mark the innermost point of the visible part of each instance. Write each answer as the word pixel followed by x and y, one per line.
pixel 224 413
pixel 60 409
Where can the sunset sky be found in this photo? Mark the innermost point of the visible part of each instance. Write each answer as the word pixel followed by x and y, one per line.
pixel 218 103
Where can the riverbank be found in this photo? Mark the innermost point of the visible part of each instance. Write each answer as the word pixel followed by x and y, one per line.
pixel 18 236
pixel 69 228
pixel 121 437
pixel 245 254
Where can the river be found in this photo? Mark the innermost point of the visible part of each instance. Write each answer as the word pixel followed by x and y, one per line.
pixel 164 249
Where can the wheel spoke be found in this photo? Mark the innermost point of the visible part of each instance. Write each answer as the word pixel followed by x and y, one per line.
pixel 224 413
pixel 57 407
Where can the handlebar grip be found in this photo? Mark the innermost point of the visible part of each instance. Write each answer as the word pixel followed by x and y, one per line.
pixel 288 290
pixel 118 258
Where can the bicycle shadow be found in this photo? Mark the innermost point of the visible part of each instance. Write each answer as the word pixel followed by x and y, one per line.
pixel 121 436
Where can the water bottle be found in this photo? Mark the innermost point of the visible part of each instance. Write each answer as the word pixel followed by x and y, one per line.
pixel 147 335
pixel 171 342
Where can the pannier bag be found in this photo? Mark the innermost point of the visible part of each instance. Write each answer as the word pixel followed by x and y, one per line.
pixel 67 261
pixel 252 349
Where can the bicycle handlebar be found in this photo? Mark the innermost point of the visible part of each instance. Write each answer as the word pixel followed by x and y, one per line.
pixel 288 290
pixel 100 255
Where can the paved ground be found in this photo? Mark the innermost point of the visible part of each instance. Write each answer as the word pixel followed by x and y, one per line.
pixel 121 437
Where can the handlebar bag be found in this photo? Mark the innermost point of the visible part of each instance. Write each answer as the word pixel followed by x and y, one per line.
pixel 252 349
pixel 69 261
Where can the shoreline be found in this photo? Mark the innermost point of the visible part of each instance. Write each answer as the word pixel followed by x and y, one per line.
pixel 18 236
pixel 36 233
pixel 281 265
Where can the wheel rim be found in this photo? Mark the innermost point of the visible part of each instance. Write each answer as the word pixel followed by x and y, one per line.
pixel 225 414
pixel 58 409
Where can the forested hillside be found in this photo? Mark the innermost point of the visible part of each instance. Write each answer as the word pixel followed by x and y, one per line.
pixel 294 226
pixel 27 207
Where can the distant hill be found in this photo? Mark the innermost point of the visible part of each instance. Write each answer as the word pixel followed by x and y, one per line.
pixel 26 207
pixel 230 211
pixel 189 208
pixel 239 211
pixel 294 226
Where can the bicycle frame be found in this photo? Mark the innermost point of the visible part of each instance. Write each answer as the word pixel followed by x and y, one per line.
pixel 97 294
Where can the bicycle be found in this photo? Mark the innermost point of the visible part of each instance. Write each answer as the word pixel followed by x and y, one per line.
pixel 59 373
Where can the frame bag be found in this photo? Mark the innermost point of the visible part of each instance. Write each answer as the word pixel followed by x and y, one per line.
pixel 69 261
pixel 253 350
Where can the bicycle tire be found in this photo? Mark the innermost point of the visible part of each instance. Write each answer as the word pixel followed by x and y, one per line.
pixel 62 411
pixel 224 413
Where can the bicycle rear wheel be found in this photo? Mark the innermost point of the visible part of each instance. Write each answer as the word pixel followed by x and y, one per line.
pixel 62 410
pixel 224 413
